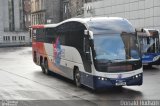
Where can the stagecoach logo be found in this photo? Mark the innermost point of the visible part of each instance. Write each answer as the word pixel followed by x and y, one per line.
pixel 57 52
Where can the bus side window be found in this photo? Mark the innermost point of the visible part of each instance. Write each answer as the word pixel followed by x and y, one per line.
pixel 50 35
pixel 33 33
pixel 40 35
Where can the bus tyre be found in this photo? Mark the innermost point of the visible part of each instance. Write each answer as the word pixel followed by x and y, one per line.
pixel 77 78
pixel 46 71
pixel 42 67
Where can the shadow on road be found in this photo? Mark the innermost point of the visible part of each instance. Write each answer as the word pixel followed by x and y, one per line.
pixel 53 76
pixel 149 68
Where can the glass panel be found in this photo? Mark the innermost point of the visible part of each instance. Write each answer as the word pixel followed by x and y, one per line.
pixel 149 44
pixel 116 47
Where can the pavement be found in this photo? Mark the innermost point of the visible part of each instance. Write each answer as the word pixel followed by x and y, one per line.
pixel 23 84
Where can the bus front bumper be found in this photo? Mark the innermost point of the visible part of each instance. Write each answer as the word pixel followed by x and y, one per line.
pixel 151 59
pixel 157 62
pixel 103 83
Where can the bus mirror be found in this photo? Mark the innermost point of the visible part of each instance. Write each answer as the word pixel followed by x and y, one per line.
pixel 91 34
pixel 88 33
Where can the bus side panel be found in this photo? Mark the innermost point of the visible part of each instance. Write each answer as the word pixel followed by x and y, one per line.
pixel 38 48
pixel 34 52
pixel 48 48
pixel 72 57
pixel 65 63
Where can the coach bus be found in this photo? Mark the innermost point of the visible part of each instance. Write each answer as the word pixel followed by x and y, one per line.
pixel 95 52
pixel 150 46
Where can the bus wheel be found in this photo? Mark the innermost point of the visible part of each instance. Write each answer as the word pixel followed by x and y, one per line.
pixel 43 70
pixel 46 71
pixel 77 78
pixel 42 67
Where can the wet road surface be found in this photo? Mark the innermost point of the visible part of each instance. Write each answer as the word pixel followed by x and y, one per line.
pixel 21 79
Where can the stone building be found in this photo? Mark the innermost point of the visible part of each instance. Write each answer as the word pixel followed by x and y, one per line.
pixel 27 13
pixel 45 11
pixel 12 23
pixel 54 11
pixel 72 8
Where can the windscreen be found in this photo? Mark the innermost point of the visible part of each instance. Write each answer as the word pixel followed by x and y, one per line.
pixel 116 47
pixel 150 44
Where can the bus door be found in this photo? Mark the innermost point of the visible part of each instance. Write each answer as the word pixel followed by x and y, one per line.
pixel 87 77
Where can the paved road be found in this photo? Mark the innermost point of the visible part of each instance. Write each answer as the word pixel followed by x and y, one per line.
pixel 21 79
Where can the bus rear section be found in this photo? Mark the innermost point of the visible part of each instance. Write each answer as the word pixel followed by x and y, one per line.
pixel 149 40
pixel 38 35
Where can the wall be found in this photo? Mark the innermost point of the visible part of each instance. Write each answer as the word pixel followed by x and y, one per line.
pixel 141 13
pixel 53 10
pixel 22 38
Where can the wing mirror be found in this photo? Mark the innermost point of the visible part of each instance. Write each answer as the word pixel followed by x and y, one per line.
pixel 88 33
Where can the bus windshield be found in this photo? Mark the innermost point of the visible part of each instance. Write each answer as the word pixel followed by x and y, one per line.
pixel 149 44
pixel 116 47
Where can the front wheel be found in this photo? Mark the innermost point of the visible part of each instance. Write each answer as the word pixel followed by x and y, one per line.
pixel 77 78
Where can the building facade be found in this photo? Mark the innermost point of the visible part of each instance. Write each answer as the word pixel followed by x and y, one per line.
pixel 72 8
pixel 141 13
pixel 45 11
pixel 12 23
pixel 37 12
pixel 27 13
pixel 54 11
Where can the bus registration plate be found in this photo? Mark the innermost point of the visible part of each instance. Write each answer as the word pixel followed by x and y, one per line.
pixel 120 83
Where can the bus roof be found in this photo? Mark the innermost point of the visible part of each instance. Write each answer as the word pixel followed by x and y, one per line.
pixel 85 20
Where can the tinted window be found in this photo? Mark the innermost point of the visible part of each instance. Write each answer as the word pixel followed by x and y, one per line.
pixel 50 35
pixel 71 34
pixel 39 34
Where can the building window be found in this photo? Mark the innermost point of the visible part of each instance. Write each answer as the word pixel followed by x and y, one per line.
pixel 11 15
pixel 14 38
pixel 6 38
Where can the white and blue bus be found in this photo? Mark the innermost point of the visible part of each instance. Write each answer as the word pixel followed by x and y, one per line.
pixel 150 46
pixel 95 52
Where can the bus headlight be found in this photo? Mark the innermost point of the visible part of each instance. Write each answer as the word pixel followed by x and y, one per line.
pixel 156 58
pixel 137 76
pixel 102 79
